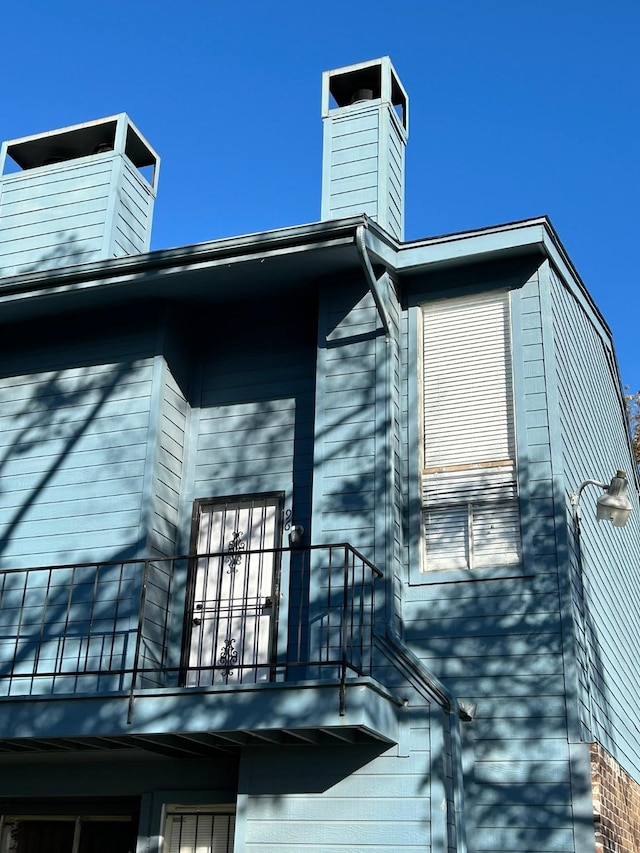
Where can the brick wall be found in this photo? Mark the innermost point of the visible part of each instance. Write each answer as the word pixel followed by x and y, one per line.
pixel 616 804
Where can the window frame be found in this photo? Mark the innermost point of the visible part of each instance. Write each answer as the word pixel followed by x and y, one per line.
pixel 75 821
pixel 418 574
pixel 173 810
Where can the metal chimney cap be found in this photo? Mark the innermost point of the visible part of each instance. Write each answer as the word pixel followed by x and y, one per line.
pixel 362 95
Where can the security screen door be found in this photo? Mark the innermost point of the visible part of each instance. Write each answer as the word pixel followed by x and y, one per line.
pixel 234 591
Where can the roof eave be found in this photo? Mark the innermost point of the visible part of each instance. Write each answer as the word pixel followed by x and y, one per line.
pixel 511 239
pixel 228 250
pixel 401 259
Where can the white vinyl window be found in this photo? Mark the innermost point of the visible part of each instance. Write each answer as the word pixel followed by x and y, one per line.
pixel 469 494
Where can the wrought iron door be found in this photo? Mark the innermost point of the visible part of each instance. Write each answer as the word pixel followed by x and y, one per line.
pixel 235 591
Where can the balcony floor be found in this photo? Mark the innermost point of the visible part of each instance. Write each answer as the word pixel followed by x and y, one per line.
pixel 188 721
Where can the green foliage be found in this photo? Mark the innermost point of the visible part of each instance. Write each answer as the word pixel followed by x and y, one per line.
pixel 633 414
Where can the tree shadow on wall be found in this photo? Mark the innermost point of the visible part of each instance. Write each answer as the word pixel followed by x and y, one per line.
pixel 506 644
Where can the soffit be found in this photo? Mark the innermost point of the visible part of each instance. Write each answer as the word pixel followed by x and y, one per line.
pixel 242 268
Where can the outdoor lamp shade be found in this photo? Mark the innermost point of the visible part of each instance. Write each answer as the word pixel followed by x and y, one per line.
pixel 614 505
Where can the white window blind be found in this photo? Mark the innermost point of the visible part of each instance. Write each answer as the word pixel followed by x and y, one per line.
pixel 200 832
pixel 469 495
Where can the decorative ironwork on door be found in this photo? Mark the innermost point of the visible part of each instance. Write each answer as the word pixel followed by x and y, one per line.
pixel 235 581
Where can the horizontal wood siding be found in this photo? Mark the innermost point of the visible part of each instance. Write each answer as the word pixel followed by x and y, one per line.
pixel 363 168
pixel 394 221
pixel 134 211
pixel 53 217
pixel 253 427
pixel 171 441
pixel 244 447
pixel 606 598
pixel 396 486
pixel 345 487
pixel 498 641
pixel 340 799
pixel 537 504
pixel 73 440
pixel 354 166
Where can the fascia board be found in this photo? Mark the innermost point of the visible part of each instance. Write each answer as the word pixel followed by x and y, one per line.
pixel 555 251
pixel 172 262
pixel 511 239
pixel 399 259
pixel 451 249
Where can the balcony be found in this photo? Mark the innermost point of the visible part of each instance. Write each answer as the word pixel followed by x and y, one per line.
pixel 232 648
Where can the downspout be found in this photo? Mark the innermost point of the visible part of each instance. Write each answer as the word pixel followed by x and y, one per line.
pixel 372 280
pixel 395 650
pixel 413 669
pixel 386 382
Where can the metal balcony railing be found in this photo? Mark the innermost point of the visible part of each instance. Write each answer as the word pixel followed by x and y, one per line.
pixel 203 621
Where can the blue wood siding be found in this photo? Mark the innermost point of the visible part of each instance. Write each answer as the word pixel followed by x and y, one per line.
pixel 253 413
pixel 169 450
pixel 339 798
pixel 346 428
pixel 395 151
pixel 394 562
pixel 533 435
pixel 353 153
pixel 126 776
pixel 63 207
pixel 73 212
pixel 363 170
pixel 498 641
pixel 74 431
pixel 605 599
pixel 133 213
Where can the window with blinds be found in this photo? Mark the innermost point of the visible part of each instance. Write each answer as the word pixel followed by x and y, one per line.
pixel 469 493
pixel 199 831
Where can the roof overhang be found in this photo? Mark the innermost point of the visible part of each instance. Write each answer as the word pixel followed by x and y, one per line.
pixel 275 261
pixel 285 260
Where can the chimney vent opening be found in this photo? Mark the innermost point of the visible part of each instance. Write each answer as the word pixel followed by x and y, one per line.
pixel 71 143
pixel 375 81
pixel 349 88
pixel 60 146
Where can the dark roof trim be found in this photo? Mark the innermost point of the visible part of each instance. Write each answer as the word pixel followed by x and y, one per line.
pixel 322 235
pixel 507 240
pixel 400 259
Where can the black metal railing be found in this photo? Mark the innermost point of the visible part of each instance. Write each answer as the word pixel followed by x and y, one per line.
pixel 286 614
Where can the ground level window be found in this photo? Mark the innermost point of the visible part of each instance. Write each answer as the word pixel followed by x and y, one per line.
pixel 67 834
pixel 199 830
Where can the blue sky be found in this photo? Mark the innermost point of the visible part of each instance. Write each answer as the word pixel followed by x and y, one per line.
pixel 516 110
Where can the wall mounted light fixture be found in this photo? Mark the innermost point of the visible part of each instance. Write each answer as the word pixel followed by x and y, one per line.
pixel 614 505
pixel 296 534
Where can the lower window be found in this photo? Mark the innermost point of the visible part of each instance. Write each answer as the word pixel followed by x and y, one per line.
pixel 471 518
pixel 67 834
pixel 199 830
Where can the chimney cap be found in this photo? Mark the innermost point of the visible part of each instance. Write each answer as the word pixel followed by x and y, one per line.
pixel 378 75
pixel 116 132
